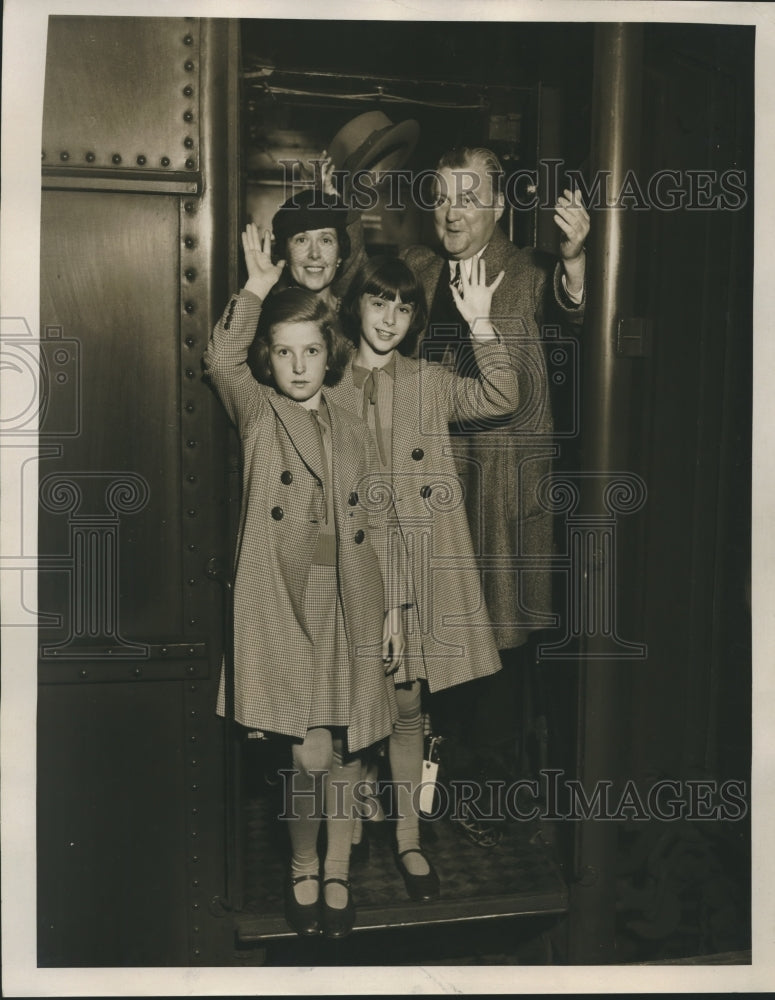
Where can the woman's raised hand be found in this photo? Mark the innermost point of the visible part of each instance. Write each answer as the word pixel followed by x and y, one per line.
pixel 262 273
pixel 474 298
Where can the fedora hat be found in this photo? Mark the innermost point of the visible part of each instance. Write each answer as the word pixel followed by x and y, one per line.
pixel 372 142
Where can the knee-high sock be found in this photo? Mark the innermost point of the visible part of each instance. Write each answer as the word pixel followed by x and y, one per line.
pixel 405 751
pixel 344 772
pixel 305 800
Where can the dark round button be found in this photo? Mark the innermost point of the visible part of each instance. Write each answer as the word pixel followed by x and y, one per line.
pixel 277 513
pixel 425 492
pixel 353 499
pixel 286 477
pixel 359 536
pixel 417 454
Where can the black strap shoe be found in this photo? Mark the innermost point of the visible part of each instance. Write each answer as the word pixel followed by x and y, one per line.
pixel 338 921
pixel 420 888
pixel 304 918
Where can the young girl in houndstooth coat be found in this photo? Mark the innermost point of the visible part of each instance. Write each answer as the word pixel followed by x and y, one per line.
pixel 313 644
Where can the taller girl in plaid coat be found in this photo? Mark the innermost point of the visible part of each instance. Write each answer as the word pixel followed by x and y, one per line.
pixel 408 405
pixel 311 637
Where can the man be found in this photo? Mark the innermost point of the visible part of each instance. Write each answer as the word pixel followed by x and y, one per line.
pixel 501 464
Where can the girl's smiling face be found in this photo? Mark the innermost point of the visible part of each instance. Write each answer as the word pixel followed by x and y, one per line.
pixel 384 322
pixel 298 359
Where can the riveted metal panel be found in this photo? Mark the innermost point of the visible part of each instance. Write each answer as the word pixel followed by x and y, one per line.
pixel 122 93
pixel 109 538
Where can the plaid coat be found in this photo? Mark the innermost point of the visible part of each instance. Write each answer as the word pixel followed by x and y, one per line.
pixel 453 634
pixel 502 466
pixel 282 506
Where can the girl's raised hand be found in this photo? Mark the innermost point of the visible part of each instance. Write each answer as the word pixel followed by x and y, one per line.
pixel 262 273
pixel 474 299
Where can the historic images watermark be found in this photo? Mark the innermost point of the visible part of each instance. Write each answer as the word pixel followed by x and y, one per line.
pixel 552 795
pixel 527 189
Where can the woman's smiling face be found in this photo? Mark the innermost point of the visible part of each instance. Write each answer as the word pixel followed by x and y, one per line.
pixel 313 257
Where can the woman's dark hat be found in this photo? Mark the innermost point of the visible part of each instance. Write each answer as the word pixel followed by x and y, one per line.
pixel 308 210
pixel 372 142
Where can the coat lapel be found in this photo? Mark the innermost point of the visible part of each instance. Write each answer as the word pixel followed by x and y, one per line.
pixel 406 411
pixel 301 431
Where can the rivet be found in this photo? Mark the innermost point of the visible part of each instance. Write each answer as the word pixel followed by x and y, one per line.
pixel 189 307
pixel 141 161
pixel 194 763
pixel 190 373
pixel 195 930
pixel 191 547
pixel 193 713
pixel 195 859
pixel 188 40
pixel 190 341
pixel 84 673
pixel 194 834
pixel 195 883
pixel 188 116
pixel 192 739
pixel 191 443
pixel 191 651
pixel 193 621
pixel 188 66
pixel 191 479
pixel 191 512
pixel 165 161
pixel 90 157
pixel 164 650
pixel 64 156
pixel 116 158
pixel 191 581
pixel 194 811
pixel 188 90
pixel 197 952
pixel 189 206
pixel 191 670
pixel 195 906
pixel 193 689
pixel 137 672
pixel 188 142
pixel 190 164
pixel 189 243
pixel 190 274
pixel 425 492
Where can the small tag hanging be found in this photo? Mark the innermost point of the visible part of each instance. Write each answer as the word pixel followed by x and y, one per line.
pixel 430 770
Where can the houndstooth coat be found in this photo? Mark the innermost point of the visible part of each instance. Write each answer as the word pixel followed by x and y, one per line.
pixel 274 656
pixel 502 467
pixel 451 631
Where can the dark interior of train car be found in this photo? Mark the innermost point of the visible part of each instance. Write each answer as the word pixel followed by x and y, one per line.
pixel 158 842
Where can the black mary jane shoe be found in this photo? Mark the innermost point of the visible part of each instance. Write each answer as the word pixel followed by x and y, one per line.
pixel 338 921
pixel 304 918
pixel 420 888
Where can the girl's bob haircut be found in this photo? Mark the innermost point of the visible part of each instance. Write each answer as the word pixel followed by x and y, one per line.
pixel 388 278
pixel 298 305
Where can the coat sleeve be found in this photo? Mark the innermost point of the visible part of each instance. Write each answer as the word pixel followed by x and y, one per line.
pixel 493 391
pixel 225 360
